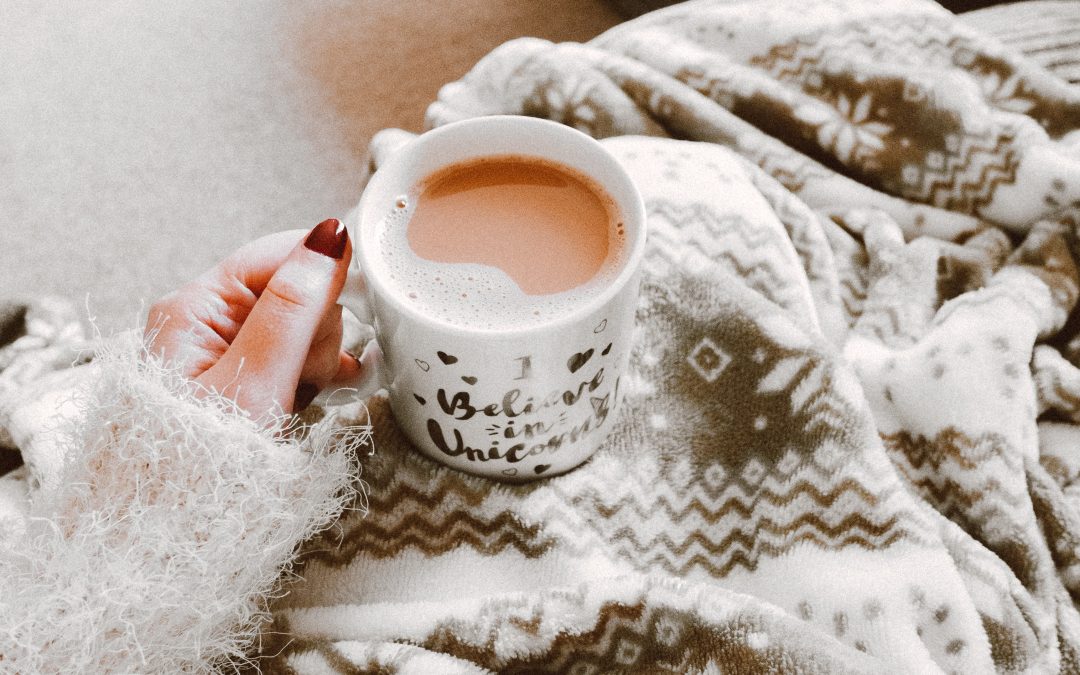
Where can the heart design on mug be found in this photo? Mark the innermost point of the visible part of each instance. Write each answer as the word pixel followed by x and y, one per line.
pixel 578 360
pixel 606 350
pixel 420 399
pixel 600 328
pixel 468 379
pixel 448 359
pixel 509 472
pixel 423 365
pixel 541 468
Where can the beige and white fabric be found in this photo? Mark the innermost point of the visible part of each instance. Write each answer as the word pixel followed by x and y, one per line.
pixel 1045 31
pixel 850 443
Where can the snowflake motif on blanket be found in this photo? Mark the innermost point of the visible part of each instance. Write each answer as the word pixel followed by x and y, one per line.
pixel 850 133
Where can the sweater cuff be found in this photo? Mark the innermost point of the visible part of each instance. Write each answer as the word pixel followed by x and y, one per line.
pixel 169 521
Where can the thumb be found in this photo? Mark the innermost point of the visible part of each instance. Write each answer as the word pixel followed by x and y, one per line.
pixel 261 368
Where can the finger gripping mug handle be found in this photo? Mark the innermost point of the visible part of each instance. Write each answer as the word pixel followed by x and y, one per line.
pixel 372 372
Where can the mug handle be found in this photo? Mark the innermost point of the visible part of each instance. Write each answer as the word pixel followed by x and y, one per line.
pixel 372 370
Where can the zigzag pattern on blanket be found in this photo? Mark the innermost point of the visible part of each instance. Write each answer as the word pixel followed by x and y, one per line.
pixel 693 237
pixel 624 635
pixel 926 43
pixel 618 625
pixel 737 514
pixel 888 146
pixel 972 482
pixel 425 510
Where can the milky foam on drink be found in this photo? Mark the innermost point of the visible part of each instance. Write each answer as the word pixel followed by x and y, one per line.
pixel 474 295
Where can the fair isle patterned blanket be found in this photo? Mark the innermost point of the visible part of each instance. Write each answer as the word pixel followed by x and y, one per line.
pixel 851 435
pixel 850 439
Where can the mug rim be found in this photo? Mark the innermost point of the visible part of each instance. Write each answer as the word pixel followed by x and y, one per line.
pixel 629 202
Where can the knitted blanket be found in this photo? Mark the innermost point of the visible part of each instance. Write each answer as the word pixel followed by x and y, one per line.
pixel 850 439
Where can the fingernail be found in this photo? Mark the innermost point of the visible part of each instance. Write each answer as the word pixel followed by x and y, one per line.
pixel 305 394
pixel 328 238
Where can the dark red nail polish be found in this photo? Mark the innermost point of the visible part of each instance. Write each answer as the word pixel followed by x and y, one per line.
pixel 305 394
pixel 328 238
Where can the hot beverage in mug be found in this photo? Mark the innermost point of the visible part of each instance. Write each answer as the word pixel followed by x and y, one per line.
pixel 502 241
pixel 498 259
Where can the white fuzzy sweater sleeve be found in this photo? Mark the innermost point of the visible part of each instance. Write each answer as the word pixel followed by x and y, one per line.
pixel 165 531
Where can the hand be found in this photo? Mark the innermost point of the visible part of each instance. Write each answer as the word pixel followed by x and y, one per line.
pixel 262 327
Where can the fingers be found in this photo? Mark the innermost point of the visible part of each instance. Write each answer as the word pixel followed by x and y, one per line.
pixel 348 372
pixel 327 364
pixel 249 268
pixel 348 368
pixel 322 358
pixel 193 326
pixel 176 334
pixel 263 366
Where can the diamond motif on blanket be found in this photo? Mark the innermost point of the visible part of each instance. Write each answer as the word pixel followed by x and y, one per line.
pixel 753 472
pixel 791 461
pixel 708 360
pixel 715 476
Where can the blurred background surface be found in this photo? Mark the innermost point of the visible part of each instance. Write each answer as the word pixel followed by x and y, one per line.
pixel 142 142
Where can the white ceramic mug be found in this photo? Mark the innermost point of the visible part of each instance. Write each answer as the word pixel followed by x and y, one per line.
pixel 511 404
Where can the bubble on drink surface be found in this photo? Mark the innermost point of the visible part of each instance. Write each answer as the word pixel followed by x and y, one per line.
pixel 474 295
